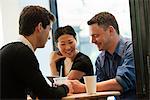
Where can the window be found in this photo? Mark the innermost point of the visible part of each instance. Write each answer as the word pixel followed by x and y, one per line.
pixel 77 12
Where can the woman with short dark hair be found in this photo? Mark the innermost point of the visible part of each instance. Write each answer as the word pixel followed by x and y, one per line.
pixel 68 61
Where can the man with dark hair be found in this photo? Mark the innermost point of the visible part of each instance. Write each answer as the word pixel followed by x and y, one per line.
pixel 115 67
pixel 20 73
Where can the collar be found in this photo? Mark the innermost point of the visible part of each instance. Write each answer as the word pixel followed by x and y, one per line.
pixel 122 45
pixel 120 49
pixel 26 42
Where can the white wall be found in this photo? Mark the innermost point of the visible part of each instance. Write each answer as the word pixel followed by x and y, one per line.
pixel 9 20
pixel 9 27
pixel 1 29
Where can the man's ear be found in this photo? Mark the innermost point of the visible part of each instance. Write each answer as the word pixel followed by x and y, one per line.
pixel 39 27
pixel 111 29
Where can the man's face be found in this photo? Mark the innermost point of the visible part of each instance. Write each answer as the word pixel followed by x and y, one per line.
pixel 44 35
pixel 100 36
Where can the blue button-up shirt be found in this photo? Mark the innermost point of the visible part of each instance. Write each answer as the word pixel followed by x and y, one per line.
pixel 120 65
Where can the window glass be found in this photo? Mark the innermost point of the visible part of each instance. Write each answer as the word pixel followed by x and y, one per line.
pixel 77 12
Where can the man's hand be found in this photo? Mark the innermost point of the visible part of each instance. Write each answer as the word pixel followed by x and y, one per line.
pixel 68 83
pixel 78 87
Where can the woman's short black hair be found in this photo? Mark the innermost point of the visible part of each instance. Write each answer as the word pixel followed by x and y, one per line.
pixel 64 30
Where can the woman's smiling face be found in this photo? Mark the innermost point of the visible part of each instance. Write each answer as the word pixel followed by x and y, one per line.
pixel 67 45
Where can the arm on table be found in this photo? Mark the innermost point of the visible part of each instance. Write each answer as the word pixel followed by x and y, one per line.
pixel 108 85
pixel 111 84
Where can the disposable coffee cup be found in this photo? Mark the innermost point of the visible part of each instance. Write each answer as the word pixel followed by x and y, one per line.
pixel 90 84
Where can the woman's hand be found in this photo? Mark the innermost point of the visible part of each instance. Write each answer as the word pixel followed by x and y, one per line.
pixel 55 56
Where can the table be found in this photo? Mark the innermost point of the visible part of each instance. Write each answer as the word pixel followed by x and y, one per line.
pixel 96 96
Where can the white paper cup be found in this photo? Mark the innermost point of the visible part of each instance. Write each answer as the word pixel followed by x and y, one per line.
pixel 90 84
pixel 59 80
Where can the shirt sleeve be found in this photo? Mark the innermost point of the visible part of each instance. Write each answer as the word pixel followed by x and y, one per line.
pixel 126 71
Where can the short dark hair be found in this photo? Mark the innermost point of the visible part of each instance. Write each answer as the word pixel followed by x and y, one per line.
pixel 64 30
pixel 105 19
pixel 31 16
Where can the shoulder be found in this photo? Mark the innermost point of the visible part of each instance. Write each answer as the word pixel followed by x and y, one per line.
pixel 83 63
pixel 125 48
pixel 16 49
pixel 82 59
pixel 126 42
pixel 81 56
pixel 14 45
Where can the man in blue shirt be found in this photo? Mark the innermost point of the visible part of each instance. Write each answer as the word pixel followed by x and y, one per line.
pixel 115 67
